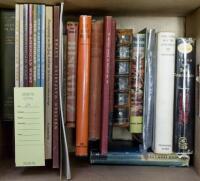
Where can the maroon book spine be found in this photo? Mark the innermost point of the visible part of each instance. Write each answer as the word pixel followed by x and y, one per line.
pixel 72 47
pixel 106 83
pixel 55 83
pixel 30 41
pixel 26 44
pixel 96 81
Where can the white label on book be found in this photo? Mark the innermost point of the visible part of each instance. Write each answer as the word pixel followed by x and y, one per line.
pixel 29 126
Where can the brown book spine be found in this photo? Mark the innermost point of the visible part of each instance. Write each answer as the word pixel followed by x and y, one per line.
pixel 30 41
pixel 83 80
pixel 95 80
pixel 72 47
pixel 106 83
pixel 55 83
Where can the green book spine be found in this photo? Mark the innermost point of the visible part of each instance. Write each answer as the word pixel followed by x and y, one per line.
pixel 7 63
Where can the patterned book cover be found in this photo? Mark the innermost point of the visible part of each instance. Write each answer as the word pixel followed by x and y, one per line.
pixel 30 48
pixel 83 82
pixel 71 69
pixel 184 108
pixel 42 45
pixel 17 56
pixel 38 47
pixel 7 64
pixel 106 84
pixel 26 44
pixel 48 82
pixel 55 90
pixel 137 83
pixel 96 80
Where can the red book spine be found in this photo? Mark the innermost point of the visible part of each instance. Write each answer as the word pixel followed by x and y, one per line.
pixel 30 41
pixel 72 47
pixel 106 83
pixel 83 82
pixel 96 81
pixel 55 82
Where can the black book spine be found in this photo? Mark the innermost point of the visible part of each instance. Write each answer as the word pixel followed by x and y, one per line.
pixel 184 109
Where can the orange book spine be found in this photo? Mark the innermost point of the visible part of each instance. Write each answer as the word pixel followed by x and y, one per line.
pixel 83 82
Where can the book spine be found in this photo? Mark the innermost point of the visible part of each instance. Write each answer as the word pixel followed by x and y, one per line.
pixel 147 159
pixel 164 93
pixel 17 47
pixel 34 44
pixel 83 80
pixel 149 89
pixel 72 47
pixel 42 45
pixel 112 77
pixel 7 66
pixel 55 90
pixel 26 47
pixel 106 83
pixel 184 108
pixel 137 83
pixel 48 83
pixel 21 44
pixel 96 81
pixel 30 41
pixel 38 47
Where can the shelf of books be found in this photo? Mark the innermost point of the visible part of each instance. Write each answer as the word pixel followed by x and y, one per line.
pixel 99 90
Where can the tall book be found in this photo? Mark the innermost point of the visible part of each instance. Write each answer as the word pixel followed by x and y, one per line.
pixel 34 44
pixel 48 82
pixel 149 88
pixel 71 68
pixel 137 83
pixel 30 47
pixel 105 106
pixel 55 89
pixel 163 133
pixel 38 46
pixel 112 77
pixel 42 44
pixel 7 64
pixel 184 108
pixel 17 45
pixel 83 82
pixel 21 44
pixel 26 44
pixel 96 80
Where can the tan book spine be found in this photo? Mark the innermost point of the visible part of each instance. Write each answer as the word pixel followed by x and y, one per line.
pixel 72 43
pixel 48 95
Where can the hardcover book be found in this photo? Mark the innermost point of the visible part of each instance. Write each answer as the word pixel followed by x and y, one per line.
pixel 71 68
pixel 48 82
pixel 107 58
pixel 137 83
pixel 83 82
pixel 96 80
pixel 7 64
pixel 184 108
pixel 163 130
pixel 55 89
